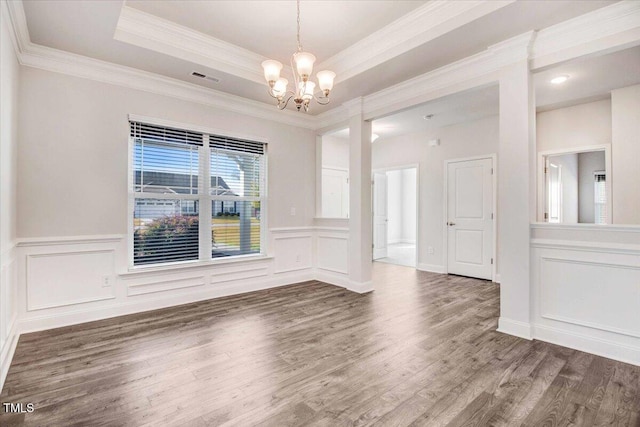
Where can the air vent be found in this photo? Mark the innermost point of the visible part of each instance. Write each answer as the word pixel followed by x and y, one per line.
pixel 202 76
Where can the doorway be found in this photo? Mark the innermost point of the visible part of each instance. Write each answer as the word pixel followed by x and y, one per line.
pixel 470 220
pixel 395 217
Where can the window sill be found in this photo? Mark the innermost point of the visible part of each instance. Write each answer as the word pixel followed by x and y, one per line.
pixel 192 265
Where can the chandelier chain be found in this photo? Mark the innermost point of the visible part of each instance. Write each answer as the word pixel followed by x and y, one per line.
pixel 299 44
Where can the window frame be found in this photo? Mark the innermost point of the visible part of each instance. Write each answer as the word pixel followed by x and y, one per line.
pixel 203 197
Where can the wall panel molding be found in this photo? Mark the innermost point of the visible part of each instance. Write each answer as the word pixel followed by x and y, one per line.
pixel 586 293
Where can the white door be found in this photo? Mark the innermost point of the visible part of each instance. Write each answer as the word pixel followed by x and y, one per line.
pixel 380 219
pixel 553 172
pixel 470 218
pixel 335 193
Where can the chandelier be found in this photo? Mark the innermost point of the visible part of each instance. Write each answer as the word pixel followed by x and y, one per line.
pixel 304 89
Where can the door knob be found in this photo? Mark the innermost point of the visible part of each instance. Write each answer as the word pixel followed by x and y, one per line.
pixel 451 223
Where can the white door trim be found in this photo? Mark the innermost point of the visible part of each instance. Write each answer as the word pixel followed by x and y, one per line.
pixel 415 166
pixel 494 180
pixel 541 197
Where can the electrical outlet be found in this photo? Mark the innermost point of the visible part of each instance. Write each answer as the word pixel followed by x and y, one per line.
pixel 106 281
pixel 293 211
pixel 430 250
pixel 297 258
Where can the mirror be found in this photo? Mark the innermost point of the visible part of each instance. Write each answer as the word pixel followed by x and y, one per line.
pixel 587 140
pixel 576 189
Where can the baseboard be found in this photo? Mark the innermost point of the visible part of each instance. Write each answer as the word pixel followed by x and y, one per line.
pixel 589 344
pixel 332 278
pixel 137 305
pixel 432 268
pixel 6 356
pixel 497 279
pixel 360 287
pixel 515 328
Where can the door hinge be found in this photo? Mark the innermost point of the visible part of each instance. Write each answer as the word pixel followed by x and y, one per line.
pixel 546 169
pixel 373 245
pixel 491 171
pixel 491 215
pixel 546 215
pixel 491 261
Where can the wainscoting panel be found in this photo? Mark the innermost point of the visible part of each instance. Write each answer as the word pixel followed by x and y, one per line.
pixel 586 294
pixel 160 284
pixel 292 249
pixel 333 253
pixel 249 271
pixel 66 278
pixel 8 310
pixel 592 294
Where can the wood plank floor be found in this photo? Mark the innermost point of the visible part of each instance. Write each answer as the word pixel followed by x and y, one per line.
pixel 421 350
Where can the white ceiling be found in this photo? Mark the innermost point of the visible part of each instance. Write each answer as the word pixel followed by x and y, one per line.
pixel 461 107
pixel 267 28
pixel 590 78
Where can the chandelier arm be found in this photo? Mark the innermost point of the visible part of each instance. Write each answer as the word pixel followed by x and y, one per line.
pixel 298 33
pixel 282 106
pixel 322 100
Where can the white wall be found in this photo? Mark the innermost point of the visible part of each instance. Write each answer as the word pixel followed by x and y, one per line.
pixel 625 150
pixel 572 127
pixel 394 206
pixel 335 152
pixel 72 206
pixel 409 203
pixel 614 121
pixel 569 177
pixel 588 163
pixel 463 140
pixel 73 154
pixel 9 86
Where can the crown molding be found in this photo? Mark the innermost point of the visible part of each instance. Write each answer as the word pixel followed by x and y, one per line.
pixel 50 59
pixel 354 107
pixel 334 119
pixel 13 11
pixel 151 32
pixel 610 27
pixel 473 71
pixel 622 18
pixel 425 23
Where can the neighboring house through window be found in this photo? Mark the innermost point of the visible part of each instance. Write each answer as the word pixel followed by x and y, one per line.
pixel 187 185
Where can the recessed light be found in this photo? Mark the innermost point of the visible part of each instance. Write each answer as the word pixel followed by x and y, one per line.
pixel 428 117
pixel 559 79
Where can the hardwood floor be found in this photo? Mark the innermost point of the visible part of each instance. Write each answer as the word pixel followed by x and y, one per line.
pixel 421 350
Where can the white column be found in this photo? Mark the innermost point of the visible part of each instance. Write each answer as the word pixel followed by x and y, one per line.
pixel 360 219
pixel 516 194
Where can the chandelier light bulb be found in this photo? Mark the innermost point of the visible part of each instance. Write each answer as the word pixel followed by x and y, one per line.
pixel 303 89
pixel 304 63
pixel 272 70
pixel 325 80
pixel 280 87
pixel 306 90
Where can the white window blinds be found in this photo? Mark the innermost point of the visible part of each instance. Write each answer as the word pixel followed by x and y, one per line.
pixel 165 184
pixel 237 170
pixel 175 204
pixel 600 197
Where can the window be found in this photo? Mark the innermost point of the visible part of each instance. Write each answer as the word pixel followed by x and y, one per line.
pixel 180 198
pixel 600 197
